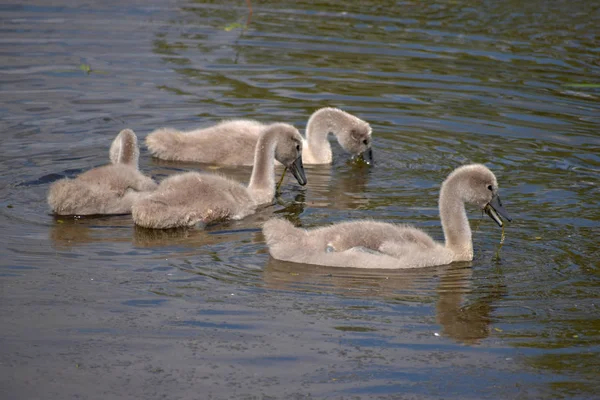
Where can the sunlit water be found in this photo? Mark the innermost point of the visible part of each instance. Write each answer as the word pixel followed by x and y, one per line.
pixel 96 308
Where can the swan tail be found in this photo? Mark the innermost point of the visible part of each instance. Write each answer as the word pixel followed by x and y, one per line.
pixel 283 238
pixel 165 143
pixel 62 197
pixel 124 149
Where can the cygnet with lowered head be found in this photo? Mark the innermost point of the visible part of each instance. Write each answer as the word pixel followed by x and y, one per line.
pixel 110 189
pixel 371 244
pixel 233 142
pixel 190 198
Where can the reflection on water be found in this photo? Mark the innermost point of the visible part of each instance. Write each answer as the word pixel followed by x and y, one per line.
pixel 193 238
pixel 470 321
pixel 67 232
pixel 449 287
pixel 510 84
pixel 340 191
pixel 393 285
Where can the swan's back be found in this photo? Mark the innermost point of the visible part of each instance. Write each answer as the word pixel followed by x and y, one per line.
pixel 103 191
pixel 354 244
pixel 195 187
pixel 344 235
pixel 118 177
pixel 191 198
pixel 227 143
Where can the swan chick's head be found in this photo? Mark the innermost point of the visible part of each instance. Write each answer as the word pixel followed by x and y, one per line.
pixel 288 149
pixel 352 133
pixel 476 184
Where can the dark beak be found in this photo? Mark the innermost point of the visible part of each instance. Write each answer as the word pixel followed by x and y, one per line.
pixel 297 169
pixel 367 156
pixel 495 210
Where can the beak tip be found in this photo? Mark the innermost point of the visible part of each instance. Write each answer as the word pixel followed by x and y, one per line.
pixel 367 156
pixel 496 212
pixel 297 169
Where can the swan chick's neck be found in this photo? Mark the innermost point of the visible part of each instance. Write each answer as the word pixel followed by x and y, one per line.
pixel 262 180
pixel 457 231
pixel 124 149
pixel 320 124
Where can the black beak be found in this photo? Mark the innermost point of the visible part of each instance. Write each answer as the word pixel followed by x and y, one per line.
pixel 297 169
pixel 367 156
pixel 495 210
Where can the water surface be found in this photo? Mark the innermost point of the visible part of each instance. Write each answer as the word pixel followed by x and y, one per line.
pixel 96 308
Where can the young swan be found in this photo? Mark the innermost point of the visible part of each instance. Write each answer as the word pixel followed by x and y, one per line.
pixel 233 142
pixel 110 189
pixel 191 198
pixel 370 244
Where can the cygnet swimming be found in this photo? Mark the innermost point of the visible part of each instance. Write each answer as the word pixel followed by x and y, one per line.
pixel 110 189
pixel 190 198
pixel 371 244
pixel 233 142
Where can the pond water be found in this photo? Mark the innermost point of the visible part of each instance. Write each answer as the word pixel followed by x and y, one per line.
pixel 95 308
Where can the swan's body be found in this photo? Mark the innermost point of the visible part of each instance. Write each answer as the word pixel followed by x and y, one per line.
pixel 191 198
pixel 110 189
pixel 370 244
pixel 233 142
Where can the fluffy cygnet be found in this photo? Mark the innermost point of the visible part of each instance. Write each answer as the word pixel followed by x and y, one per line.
pixel 188 199
pixel 233 142
pixel 370 244
pixel 110 189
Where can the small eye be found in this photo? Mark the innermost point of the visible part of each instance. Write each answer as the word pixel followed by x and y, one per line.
pixel 298 147
pixel 490 187
pixel 366 142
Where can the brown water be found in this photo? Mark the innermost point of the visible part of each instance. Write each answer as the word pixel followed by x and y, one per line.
pixel 96 309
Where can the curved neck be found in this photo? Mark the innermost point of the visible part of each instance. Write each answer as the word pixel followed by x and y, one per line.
pixel 317 129
pixel 262 181
pixel 124 149
pixel 455 223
